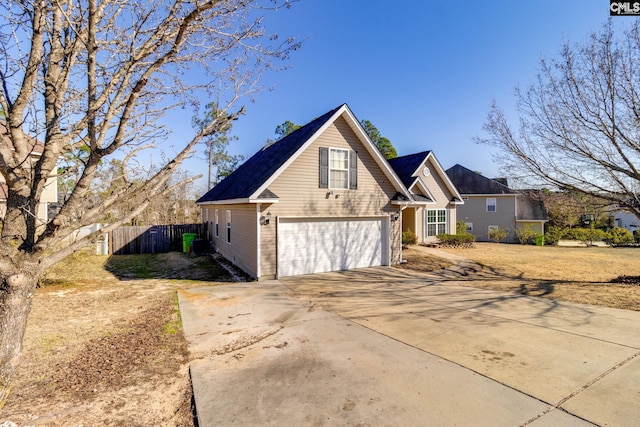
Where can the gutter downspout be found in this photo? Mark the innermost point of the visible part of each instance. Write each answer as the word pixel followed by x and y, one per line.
pixel 258 241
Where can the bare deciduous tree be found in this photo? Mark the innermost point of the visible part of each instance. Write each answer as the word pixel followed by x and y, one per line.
pixel 96 78
pixel 580 121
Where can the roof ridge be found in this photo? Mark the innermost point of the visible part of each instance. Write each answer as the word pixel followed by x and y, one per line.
pixel 423 153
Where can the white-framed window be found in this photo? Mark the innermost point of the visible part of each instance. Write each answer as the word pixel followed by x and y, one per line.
pixel 216 226
pixel 338 169
pixel 491 204
pixel 228 226
pixel 436 222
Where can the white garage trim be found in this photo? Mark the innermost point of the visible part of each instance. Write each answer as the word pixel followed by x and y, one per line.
pixel 317 244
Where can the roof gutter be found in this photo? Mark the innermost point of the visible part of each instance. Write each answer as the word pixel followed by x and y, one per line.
pixel 237 201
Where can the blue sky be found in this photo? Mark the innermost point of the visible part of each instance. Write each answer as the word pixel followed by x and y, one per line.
pixel 423 72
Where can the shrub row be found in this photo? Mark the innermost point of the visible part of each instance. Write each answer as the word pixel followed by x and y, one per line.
pixel 465 240
pixel 615 237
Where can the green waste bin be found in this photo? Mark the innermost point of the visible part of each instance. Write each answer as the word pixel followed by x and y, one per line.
pixel 187 239
pixel 539 240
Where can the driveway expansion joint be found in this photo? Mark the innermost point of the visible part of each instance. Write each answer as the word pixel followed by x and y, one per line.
pixel 564 400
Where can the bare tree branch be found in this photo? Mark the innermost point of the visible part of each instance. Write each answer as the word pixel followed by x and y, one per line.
pixel 580 121
pixel 91 81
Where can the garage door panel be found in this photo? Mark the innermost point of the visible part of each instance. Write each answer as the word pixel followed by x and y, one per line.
pixel 311 246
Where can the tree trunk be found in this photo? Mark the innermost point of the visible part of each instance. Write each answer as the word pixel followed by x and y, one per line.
pixel 16 296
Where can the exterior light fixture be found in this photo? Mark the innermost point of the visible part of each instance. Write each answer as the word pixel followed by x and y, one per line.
pixel 267 219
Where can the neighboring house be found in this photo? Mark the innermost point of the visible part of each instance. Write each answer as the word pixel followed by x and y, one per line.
pixel 320 199
pixel 50 192
pixel 490 204
pixel 625 219
pixel 433 210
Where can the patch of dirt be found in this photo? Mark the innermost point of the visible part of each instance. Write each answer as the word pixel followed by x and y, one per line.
pixel 419 261
pixel 104 343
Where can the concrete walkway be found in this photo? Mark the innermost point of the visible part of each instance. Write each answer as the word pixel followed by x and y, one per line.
pixel 380 346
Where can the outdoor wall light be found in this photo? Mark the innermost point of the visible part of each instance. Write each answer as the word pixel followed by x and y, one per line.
pixel 265 219
pixel 395 216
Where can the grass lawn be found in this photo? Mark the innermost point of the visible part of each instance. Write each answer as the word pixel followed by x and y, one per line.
pixel 568 274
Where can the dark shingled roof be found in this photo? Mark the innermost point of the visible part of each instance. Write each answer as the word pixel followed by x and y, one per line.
pixel 470 182
pixel 405 166
pixel 421 198
pixel 400 197
pixel 250 176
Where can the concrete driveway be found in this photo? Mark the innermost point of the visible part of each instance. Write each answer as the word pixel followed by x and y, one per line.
pixel 381 346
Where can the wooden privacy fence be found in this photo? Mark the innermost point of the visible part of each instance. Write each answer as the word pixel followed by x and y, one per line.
pixel 129 240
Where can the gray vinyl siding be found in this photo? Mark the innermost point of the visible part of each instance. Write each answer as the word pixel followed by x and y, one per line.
pixel 300 194
pixel 474 210
pixel 243 248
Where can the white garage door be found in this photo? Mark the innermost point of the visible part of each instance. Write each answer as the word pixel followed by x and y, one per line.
pixel 313 246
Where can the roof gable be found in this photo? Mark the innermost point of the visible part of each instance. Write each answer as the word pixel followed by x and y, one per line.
pixel 253 177
pixel 470 182
pixel 408 168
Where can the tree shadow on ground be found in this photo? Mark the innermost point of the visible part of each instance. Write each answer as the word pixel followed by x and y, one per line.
pixel 366 289
pixel 540 289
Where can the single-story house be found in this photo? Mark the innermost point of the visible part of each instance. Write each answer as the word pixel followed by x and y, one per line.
pixel 491 204
pixel 322 198
pixel 433 210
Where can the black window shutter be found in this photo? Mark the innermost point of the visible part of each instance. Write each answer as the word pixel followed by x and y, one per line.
pixel 353 170
pixel 324 167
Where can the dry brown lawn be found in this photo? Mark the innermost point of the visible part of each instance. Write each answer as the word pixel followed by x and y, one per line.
pixel 417 261
pixel 580 275
pixel 104 343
